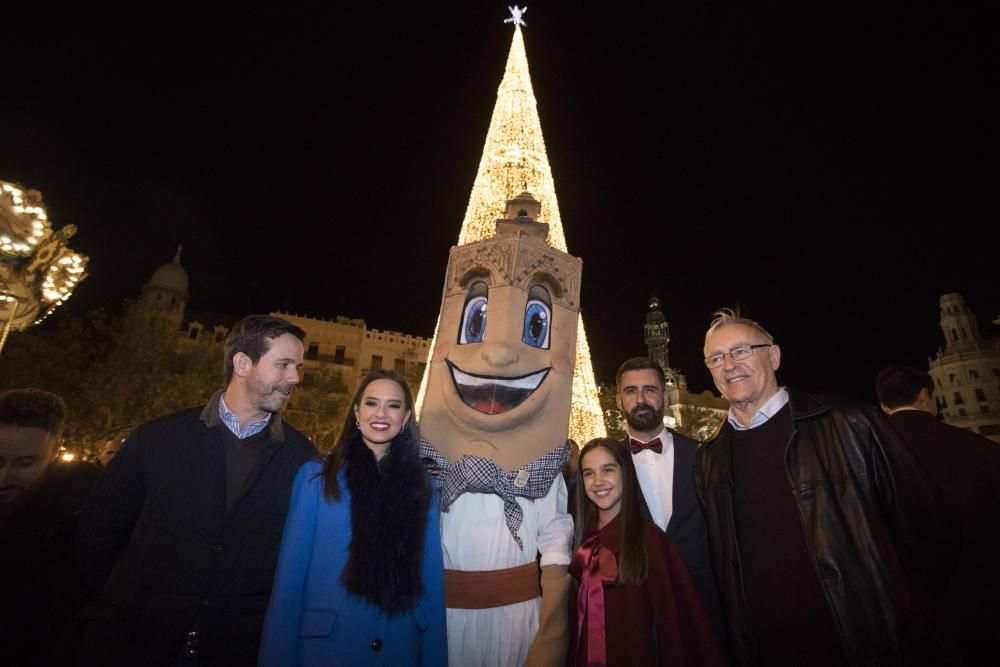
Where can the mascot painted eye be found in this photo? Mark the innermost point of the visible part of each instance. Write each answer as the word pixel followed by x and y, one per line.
pixel 473 325
pixel 474 321
pixel 537 320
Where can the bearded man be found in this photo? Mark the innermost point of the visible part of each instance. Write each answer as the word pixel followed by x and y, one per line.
pixel 664 465
pixel 181 535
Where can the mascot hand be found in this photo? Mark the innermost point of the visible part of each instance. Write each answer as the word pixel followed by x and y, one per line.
pixel 552 638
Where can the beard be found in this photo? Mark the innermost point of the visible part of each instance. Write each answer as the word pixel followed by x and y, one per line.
pixel 644 418
pixel 270 397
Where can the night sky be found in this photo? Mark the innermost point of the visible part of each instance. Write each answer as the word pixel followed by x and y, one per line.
pixel 833 173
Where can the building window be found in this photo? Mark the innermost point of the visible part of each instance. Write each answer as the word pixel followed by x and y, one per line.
pixel 193 334
pixel 220 336
pixel 954 335
pixel 942 403
pixel 985 409
pixel 973 374
pixel 400 365
pixel 376 361
pixel 996 372
pixel 952 379
pixel 958 398
pixel 962 412
pixel 980 395
pixel 313 352
pixel 939 383
pixel 338 355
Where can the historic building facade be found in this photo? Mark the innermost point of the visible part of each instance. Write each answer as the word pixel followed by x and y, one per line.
pixel 966 371
pixel 339 351
pixel 697 415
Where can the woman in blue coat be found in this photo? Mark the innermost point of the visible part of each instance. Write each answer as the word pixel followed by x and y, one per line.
pixel 360 577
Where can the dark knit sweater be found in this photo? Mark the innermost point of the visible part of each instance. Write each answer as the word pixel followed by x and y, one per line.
pixel 791 620
pixel 241 458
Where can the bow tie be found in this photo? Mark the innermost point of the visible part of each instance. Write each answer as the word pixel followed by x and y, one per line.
pixel 637 446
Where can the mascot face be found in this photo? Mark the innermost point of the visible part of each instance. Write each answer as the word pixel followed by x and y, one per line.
pixel 501 375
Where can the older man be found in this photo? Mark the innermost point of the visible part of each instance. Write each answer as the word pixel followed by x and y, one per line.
pixel 181 535
pixel 825 533
pixel 40 497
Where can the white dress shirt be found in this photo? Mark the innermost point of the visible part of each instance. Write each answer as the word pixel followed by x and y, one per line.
pixel 656 479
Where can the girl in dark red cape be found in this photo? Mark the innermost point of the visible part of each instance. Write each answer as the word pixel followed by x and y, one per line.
pixel 636 603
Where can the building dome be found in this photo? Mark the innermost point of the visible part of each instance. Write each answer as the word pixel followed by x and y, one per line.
pixel 171 276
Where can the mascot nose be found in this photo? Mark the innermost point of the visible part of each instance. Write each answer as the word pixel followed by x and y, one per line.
pixel 499 355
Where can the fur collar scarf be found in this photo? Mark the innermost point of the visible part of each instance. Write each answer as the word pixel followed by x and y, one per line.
pixel 389 503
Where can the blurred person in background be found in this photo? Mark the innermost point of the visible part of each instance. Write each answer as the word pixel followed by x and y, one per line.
pixel 41 495
pixel 966 466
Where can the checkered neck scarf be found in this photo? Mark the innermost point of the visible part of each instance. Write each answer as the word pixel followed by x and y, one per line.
pixel 480 475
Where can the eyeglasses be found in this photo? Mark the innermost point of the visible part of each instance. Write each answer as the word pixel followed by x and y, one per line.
pixel 737 353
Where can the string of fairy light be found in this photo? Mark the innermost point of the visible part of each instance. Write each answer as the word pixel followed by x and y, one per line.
pixel 514 160
pixel 29 224
pixel 25 231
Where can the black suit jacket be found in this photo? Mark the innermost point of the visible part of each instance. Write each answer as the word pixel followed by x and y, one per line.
pixel 966 467
pixel 168 555
pixel 687 529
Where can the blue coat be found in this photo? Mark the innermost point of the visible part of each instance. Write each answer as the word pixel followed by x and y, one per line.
pixel 311 619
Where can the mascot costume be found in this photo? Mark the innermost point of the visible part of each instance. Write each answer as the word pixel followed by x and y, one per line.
pixel 495 420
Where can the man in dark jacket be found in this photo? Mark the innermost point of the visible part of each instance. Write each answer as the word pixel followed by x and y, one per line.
pixel 40 498
pixel 966 466
pixel 664 464
pixel 181 534
pixel 827 537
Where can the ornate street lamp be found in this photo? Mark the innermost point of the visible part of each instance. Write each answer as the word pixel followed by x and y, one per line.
pixel 38 270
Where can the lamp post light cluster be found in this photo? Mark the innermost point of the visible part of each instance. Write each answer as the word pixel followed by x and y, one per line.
pixel 38 270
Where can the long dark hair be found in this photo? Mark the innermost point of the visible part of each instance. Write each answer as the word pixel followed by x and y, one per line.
pixel 350 432
pixel 633 561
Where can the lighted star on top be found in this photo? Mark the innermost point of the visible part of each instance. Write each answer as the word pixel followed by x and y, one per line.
pixel 515 15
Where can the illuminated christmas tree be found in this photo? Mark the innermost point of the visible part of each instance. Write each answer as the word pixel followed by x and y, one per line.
pixel 514 161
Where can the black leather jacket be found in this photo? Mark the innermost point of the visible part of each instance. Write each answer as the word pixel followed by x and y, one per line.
pixel 879 538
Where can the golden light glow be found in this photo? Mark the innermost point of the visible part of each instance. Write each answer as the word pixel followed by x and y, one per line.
pixel 26 228
pixel 513 161
pixel 36 263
